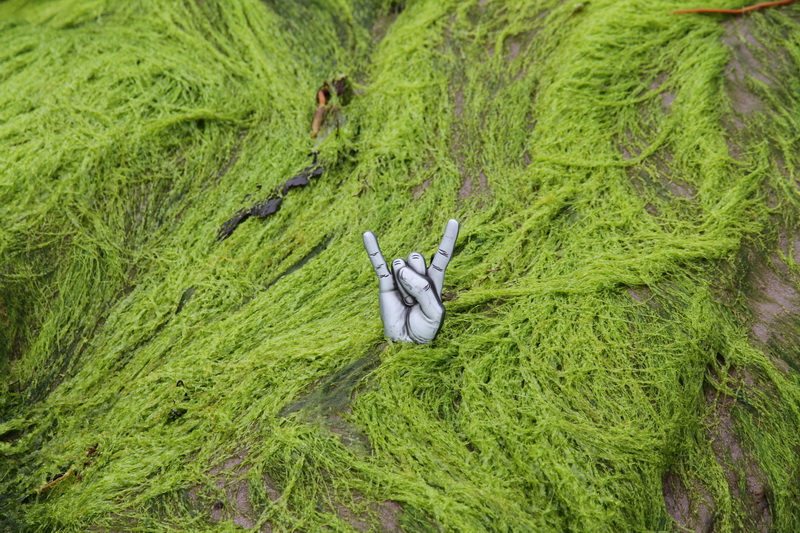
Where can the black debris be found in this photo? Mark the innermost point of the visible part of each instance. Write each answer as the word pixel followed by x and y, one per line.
pixel 175 414
pixel 232 223
pixel 271 204
pixel 303 178
pixel 266 207
pixel 185 297
pixel 343 89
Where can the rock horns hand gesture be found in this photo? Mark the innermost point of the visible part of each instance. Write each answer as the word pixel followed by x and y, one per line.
pixel 410 296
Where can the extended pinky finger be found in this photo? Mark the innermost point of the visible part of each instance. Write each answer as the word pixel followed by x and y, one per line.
pixel 443 255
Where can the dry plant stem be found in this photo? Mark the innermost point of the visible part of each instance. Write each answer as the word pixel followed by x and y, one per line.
pixel 733 11
pixel 319 116
pixel 56 480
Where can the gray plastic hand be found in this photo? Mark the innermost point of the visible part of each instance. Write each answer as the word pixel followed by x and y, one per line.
pixel 410 296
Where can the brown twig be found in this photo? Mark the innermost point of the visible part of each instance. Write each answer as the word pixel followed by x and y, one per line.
pixel 92 454
pixel 316 124
pixel 323 94
pixel 322 99
pixel 56 480
pixel 734 11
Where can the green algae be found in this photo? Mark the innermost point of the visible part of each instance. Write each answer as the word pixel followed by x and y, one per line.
pixel 615 176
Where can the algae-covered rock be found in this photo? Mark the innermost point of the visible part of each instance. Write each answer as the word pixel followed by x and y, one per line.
pixel 620 352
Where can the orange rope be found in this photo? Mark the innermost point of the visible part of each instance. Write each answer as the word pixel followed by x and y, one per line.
pixel 734 11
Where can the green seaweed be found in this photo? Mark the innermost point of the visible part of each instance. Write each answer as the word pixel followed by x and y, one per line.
pixel 622 177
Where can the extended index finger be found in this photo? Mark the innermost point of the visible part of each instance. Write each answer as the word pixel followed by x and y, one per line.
pixel 385 280
pixel 443 255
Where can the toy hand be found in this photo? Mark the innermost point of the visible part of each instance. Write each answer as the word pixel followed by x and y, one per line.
pixel 410 296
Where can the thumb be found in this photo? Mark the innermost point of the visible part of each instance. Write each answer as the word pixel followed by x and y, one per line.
pixel 421 288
